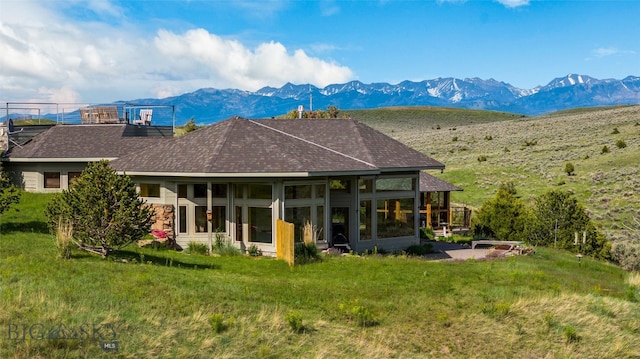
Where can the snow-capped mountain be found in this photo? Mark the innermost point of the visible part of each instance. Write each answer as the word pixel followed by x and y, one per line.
pixel 211 105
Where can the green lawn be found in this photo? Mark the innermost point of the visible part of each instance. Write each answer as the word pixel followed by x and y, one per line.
pixel 159 303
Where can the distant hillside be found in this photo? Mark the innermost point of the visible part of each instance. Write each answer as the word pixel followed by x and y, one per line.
pixel 532 152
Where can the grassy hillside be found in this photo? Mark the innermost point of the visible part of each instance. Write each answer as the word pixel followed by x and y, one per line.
pixel 164 304
pixel 532 152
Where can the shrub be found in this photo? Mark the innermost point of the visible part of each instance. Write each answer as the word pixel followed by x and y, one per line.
pixel 224 247
pixel 454 139
pixel 9 194
pixel 229 250
pixel 419 249
pixel 294 319
pixel 254 251
pixel 528 143
pixel 488 137
pixel 621 144
pixel 218 324
pixel 482 232
pixel 604 150
pixel 569 169
pixel 64 240
pixel 627 254
pixel 482 158
pixel 358 313
pixel 427 233
pixel 571 334
pixel 306 253
pixel 615 131
pixel 198 248
pixel 497 310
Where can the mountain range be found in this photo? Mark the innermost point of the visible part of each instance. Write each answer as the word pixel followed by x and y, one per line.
pixel 209 105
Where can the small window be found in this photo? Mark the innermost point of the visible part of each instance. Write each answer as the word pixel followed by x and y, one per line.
pixel 182 191
pixel 219 190
pixel 200 190
pixel 365 185
pixel 149 189
pixel 52 180
pixel 340 185
pixel 395 184
pixel 259 191
pixel 297 192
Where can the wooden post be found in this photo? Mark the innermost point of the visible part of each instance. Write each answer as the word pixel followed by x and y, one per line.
pixel 284 241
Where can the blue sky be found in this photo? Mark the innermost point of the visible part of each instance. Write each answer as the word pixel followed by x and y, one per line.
pixel 103 50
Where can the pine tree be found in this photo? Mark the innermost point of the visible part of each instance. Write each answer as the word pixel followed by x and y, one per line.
pixel 9 194
pixel 102 209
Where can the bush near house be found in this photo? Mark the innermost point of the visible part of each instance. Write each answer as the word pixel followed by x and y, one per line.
pixel 101 209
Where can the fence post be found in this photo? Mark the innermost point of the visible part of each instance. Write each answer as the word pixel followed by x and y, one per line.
pixel 284 241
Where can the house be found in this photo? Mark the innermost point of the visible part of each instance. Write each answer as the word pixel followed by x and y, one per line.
pixel 237 177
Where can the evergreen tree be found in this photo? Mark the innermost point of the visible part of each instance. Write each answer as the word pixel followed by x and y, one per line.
pixel 556 218
pixel 9 194
pixel 503 216
pixel 102 209
pixel 190 126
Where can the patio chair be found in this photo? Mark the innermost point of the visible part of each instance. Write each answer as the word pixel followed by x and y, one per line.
pixel 144 118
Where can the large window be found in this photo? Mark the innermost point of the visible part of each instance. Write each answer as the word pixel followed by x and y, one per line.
pixel 299 216
pixel 304 205
pixel 395 217
pixel 254 200
pixel 260 225
pixel 387 207
pixel 52 180
pixel 219 217
pixel 201 219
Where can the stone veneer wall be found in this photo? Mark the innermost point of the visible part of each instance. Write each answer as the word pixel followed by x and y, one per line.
pixel 164 219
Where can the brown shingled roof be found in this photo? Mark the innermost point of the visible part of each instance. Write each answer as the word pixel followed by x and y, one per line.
pixel 310 147
pixel 78 142
pixel 429 183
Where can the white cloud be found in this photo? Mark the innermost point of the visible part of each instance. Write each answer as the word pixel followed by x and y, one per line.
pixel 198 54
pixel 329 7
pixel 513 3
pixel 63 94
pixel 51 56
pixel 609 51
